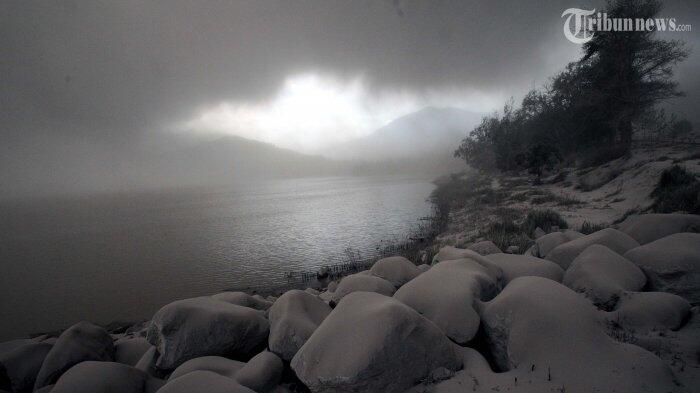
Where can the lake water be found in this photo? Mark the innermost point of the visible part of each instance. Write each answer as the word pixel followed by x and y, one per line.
pixel 122 256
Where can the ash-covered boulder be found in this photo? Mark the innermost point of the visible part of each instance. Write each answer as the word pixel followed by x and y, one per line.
pixel 446 295
pixel 372 343
pixel 397 270
pixel 105 377
pixel 20 366
pixel 147 363
pixel 203 326
pixel 543 330
pixel 548 242
pixel 515 266
pixel 564 254
pixel 261 373
pixel 203 381
pixel 603 276
pixel 81 342
pixel 485 247
pixel 362 282
pixel 672 264
pixel 129 350
pixel 647 311
pixel 646 228
pixel 449 253
pixel 293 318
pixel 216 364
pixel 11 345
pixel 256 302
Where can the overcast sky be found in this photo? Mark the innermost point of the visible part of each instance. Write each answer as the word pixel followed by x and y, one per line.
pixel 300 74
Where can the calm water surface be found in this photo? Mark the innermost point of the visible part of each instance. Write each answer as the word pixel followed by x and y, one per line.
pixel 122 256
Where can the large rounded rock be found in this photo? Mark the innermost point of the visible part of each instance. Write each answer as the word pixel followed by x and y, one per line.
pixel 446 294
pixel 672 264
pixel 515 266
pixel 362 282
pixel 105 377
pixel 646 228
pixel 203 381
pixel 262 373
pixel 543 330
pixel 243 299
pixel 81 342
pixel 397 270
pixel 647 311
pixel 203 326
pixel 216 364
pixel 485 247
pixel 129 350
pixel 564 254
pixel 546 243
pixel 20 366
pixel 603 275
pixel 147 363
pixel 449 253
pixel 372 343
pixel 293 318
pixel 11 345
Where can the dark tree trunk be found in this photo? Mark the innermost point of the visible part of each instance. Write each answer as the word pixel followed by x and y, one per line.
pixel 625 130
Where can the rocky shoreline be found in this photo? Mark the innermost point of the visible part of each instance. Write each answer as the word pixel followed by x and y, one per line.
pixel 613 309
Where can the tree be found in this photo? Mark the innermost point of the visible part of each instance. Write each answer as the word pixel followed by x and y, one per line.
pixel 541 157
pixel 631 71
pixel 591 107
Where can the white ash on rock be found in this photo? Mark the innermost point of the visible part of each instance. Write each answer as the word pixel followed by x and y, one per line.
pixel 203 326
pixel 364 282
pixel 204 381
pixel 243 299
pixel 485 247
pixel 105 377
pixel 397 270
pixel 130 349
pixel 446 295
pixel 672 264
pixel 646 228
pixel 650 311
pixel 603 276
pixel 371 343
pixel 20 366
pixel 548 242
pixel 216 364
pixel 81 342
pixel 514 266
pixel 449 253
pixel 261 374
pixel 293 318
pixel 564 254
pixel 538 325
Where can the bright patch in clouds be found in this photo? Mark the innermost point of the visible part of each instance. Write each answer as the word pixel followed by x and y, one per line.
pixel 311 112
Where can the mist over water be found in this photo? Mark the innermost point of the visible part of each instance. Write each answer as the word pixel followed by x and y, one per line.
pixel 122 256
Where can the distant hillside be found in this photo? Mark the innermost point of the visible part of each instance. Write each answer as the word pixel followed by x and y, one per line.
pixel 427 132
pixel 232 158
pixel 419 144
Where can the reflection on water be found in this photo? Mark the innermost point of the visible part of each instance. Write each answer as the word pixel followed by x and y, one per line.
pixel 121 257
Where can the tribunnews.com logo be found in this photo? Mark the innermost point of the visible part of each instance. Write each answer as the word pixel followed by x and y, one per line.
pixel 580 25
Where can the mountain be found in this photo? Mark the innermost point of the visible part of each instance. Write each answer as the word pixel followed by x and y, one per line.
pixel 429 132
pixel 229 159
pixel 420 143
